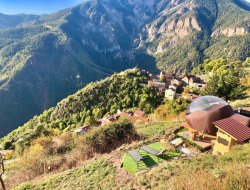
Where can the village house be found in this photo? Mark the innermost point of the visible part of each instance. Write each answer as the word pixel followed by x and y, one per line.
pixel 173 86
pixel 176 82
pixel 168 75
pixel 153 77
pixel 107 120
pixel 139 113
pixel 170 94
pixel 197 85
pixel 193 81
pixel 131 115
pixel 126 115
pixel 190 97
pixel 161 86
pixel 190 79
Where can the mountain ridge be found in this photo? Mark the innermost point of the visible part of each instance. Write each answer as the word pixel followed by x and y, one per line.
pixel 7 21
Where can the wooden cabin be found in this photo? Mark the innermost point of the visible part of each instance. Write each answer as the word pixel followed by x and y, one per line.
pixel 229 133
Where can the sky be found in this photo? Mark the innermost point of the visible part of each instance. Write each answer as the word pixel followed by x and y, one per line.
pixel 35 6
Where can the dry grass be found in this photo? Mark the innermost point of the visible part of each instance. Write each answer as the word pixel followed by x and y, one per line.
pixel 228 172
pixel 234 177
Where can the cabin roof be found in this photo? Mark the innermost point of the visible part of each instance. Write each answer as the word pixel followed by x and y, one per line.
pixel 234 129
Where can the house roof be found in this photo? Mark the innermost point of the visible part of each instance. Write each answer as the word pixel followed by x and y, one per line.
pixel 124 114
pixel 139 113
pixel 234 128
pixel 241 119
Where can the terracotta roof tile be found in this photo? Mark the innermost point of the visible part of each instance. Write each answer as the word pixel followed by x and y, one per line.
pixel 234 128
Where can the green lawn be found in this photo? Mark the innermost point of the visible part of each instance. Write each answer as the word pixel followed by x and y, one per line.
pixel 156 128
pixel 131 166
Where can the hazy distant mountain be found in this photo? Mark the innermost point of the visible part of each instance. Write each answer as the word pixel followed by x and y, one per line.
pixel 47 58
pixel 15 20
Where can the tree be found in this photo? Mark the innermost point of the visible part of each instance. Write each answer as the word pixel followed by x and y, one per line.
pixel 177 106
pixel 186 90
pixel 97 113
pixel 223 79
pixel 171 108
pixel 6 145
pixel 227 86
pixel 212 86
pixel 162 78
pixel 90 120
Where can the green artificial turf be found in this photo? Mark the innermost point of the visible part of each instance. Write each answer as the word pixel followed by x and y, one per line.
pixel 131 166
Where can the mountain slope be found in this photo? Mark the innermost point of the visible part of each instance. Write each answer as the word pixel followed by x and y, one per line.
pixel 184 35
pixel 15 20
pixel 120 91
pixel 206 172
pixel 45 60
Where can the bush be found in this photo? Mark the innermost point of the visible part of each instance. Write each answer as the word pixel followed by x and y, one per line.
pixel 171 108
pixel 105 139
pixel 6 145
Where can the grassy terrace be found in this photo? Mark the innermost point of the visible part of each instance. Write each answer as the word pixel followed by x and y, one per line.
pixel 156 128
pixel 228 172
pixel 131 166
pixel 96 175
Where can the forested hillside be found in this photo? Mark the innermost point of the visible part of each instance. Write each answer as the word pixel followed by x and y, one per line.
pixel 120 91
pixel 45 58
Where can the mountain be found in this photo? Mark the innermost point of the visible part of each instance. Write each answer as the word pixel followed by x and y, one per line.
pixel 44 60
pixel 7 21
pixel 190 31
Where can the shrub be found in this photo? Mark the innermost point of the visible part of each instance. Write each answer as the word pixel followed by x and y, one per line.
pixel 105 139
pixel 6 145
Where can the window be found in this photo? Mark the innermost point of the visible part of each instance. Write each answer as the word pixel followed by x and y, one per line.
pixel 222 141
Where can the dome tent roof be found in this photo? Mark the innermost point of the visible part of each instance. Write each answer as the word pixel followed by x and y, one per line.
pixel 205 103
pixel 203 111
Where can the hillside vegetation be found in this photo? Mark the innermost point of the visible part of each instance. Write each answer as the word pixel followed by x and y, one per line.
pixel 120 91
pixel 7 21
pixel 49 155
pixel 227 80
pixel 228 172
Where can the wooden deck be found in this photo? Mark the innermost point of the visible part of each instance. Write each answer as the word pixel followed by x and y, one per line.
pixel 205 143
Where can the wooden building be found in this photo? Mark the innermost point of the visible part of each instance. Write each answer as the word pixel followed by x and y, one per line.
pixel 229 133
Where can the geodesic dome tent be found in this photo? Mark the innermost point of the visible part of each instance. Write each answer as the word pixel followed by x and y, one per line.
pixel 203 111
